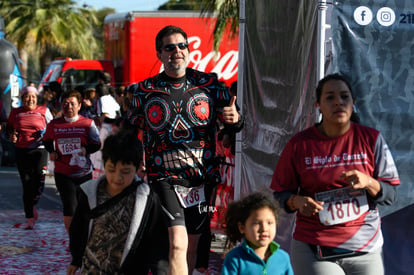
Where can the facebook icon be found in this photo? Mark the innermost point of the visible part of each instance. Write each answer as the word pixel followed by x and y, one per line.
pixel 363 15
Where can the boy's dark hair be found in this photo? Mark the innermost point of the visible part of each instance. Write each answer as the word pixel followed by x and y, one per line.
pixel 166 31
pixel 239 212
pixel 123 146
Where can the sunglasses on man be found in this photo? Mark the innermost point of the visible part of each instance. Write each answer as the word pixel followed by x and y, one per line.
pixel 171 47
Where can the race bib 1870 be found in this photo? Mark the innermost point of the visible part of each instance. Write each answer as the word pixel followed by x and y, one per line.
pixel 68 145
pixel 342 205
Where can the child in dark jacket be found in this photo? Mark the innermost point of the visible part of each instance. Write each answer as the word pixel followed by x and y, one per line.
pixel 118 226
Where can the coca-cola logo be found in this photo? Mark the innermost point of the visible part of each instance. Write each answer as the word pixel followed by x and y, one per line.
pixel 224 65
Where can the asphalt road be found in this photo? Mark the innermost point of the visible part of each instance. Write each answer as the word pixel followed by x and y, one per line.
pixel 11 191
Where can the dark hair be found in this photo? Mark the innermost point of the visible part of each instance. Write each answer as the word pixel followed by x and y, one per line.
pixel 239 212
pixel 328 77
pixel 72 93
pixel 104 76
pixel 56 87
pixel 166 31
pixel 123 146
pixel 102 89
pixel 88 92
pixel 120 90
pixel 336 76
pixel 81 90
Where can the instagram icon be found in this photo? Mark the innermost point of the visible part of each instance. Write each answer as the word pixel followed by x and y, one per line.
pixel 385 16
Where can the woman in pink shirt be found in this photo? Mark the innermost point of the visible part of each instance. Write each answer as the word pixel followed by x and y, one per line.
pixel 70 139
pixel 25 127
pixel 334 175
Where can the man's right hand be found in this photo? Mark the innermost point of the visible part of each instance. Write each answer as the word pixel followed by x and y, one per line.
pixel 230 114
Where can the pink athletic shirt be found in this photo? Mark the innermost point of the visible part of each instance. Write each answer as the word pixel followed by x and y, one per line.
pixel 70 136
pixel 312 163
pixel 28 124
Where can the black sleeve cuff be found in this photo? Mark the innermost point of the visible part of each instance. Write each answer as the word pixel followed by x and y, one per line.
pixel 282 198
pixel 236 127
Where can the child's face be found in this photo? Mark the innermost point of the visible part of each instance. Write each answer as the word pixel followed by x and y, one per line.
pixel 259 229
pixel 119 176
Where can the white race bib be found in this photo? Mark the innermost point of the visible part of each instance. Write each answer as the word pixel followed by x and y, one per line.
pixel 190 196
pixel 342 205
pixel 68 145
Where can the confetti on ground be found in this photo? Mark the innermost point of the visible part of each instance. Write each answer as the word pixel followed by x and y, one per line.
pixel 44 250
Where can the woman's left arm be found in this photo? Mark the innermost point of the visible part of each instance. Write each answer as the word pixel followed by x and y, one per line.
pixel 385 173
pixel 94 141
pixel 382 185
pixel 381 191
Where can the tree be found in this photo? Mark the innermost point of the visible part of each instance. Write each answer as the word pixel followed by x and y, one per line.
pixel 46 27
pixel 227 13
pixel 98 30
pixel 182 5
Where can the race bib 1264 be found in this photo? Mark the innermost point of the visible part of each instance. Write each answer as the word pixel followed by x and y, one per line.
pixel 342 205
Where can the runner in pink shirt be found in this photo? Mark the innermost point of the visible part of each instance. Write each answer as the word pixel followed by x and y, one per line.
pixel 70 140
pixel 333 175
pixel 25 126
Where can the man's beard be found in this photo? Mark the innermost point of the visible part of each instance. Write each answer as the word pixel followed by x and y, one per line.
pixel 176 68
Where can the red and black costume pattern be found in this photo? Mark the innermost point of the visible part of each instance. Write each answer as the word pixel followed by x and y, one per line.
pixel 179 118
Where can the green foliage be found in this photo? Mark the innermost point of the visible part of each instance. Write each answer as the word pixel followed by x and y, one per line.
pixel 98 31
pixel 227 17
pixel 193 5
pixel 227 12
pixel 46 29
pixel 49 28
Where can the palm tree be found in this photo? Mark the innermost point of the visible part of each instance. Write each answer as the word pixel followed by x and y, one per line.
pixel 42 27
pixel 182 5
pixel 227 13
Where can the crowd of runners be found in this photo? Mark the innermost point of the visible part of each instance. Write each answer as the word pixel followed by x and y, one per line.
pixel 137 169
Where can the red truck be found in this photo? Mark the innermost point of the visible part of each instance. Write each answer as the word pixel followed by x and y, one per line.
pixel 130 45
pixel 130 50
pixel 73 72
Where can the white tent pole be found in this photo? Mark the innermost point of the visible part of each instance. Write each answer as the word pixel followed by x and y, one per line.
pixel 240 85
pixel 321 38
pixel 320 66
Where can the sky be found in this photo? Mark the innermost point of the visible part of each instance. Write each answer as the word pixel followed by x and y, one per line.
pixel 124 5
